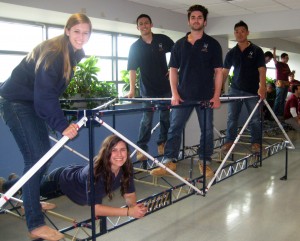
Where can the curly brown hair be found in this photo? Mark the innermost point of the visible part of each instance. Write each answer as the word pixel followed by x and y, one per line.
pixel 102 167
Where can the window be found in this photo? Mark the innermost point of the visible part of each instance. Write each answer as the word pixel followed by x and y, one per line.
pixel 105 73
pixel 8 63
pixel 111 48
pixel 20 37
pixel 18 40
pixel 54 31
pixel 271 70
pixel 99 45
pixel 124 43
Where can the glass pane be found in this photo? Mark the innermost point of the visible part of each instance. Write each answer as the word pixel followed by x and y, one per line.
pixel 122 65
pixel 99 45
pixel 271 73
pixel 53 32
pixel 7 64
pixel 105 73
pixel 120 90
pixel 124 43
pixel 31 36
pixel 271 69
pixel 271 64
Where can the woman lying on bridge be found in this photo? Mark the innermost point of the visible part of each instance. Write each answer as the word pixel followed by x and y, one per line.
pixel 112 169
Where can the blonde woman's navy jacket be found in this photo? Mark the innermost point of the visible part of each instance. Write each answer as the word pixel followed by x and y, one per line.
pixel 41 88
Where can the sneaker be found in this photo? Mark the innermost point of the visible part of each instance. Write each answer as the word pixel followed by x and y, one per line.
pixel 255 147
pixel 162 171
pixel 161 148
pixel 2 181
pixel 226 146
pixel 12 176
pixel 208 172
pixel 140 156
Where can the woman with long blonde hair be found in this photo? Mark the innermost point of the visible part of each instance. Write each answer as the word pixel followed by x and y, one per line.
pixel 30 103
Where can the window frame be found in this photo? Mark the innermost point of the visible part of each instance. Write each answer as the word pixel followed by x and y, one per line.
pixel 115 72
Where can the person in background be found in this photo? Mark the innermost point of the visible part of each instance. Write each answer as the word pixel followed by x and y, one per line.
pixel 199 59
pixel 268 56
pixel 249 78
pixel 30 103
pixel 291 109
pixel 282 83
pixel 149 54
pixel 270 97
pixel 112 169
pixel 271 93
pixel 292 81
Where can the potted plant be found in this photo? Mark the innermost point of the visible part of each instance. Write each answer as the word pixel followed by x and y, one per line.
pixel 270 80
pixel 85 85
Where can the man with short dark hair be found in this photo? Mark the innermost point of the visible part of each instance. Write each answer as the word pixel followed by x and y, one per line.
pixel 282 82
pixel 292 81
pixel 149 54
pixel 249 79
pixel 268 56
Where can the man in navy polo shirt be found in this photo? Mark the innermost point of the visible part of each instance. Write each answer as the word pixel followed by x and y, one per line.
pixel 249 79
pixel 149 54
pixel 198 57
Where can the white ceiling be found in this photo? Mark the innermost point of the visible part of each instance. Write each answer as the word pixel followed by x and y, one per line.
pixel 226 8
pixel 271 22
pixel 221 8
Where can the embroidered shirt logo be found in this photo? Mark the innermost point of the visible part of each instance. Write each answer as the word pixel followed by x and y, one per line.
pixel 160 47
pixel 205 48
pixel 250 55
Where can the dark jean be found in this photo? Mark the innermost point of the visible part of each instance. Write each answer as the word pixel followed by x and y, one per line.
pixel 31 135
pixel 49 187
pixel 281 94
pixel 234 110
pixel 146 126
pixel 179 117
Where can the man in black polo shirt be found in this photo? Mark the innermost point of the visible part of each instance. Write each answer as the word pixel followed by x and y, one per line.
pixel 199 59
pixel 149 54
pixel 249 79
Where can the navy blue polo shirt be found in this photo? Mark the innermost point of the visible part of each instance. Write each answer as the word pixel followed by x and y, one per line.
pixel 74 183
pixel 246 64
pixel 151 59
pixel 196 64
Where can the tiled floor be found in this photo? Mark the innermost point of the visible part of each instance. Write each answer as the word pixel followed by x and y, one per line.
pixel 251 206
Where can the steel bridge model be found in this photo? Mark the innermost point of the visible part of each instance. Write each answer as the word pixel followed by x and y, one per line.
pixel 173 186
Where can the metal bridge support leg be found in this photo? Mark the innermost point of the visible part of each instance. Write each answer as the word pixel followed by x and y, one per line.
pixel 284 178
